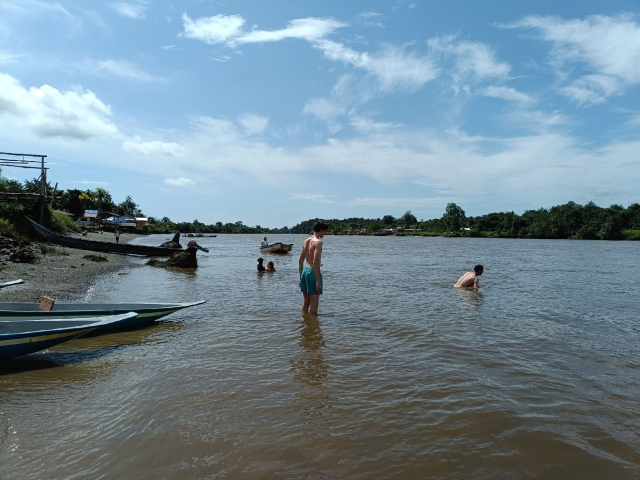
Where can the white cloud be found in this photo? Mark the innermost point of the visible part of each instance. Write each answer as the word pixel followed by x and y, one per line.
pixel 607 46
pixel 253 124
pixel 315 197
pixel 507 93
pixel 393 67
pixel 48 112
pixel 369 19
pixel 179 182
pixel 309 29
pixel 472 61
pixel 170 149
pixel 212 30
pixel 6 57
pixel 120 68
pixel 324 109
pixel 168 47
pixel 400 202
pixel 134 11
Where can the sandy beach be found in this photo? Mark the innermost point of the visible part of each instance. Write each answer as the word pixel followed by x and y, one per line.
pixel 64 275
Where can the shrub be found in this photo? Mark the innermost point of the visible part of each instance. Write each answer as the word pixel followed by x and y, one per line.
pixel 62 223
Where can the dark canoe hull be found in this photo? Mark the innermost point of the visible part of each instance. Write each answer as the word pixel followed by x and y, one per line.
pixel 22 337
pixel 103 247
pixel 277 248
pixel 147 313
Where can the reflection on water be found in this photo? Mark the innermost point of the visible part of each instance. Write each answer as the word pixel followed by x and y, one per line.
pixel 400 376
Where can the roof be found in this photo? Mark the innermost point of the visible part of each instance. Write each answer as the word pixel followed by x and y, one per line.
pixel 90 215
pixel 91 211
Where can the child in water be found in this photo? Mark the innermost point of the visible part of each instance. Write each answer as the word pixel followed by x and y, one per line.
pixel 260 265
pixel 270 267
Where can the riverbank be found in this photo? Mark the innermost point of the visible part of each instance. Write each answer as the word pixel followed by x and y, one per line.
pixel 63 274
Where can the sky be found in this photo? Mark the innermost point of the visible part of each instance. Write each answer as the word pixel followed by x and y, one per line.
pixel 272 113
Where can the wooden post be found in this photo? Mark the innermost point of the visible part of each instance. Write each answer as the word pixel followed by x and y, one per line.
pixel 43 189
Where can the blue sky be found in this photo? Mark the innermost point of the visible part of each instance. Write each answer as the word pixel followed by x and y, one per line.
pixel 275 112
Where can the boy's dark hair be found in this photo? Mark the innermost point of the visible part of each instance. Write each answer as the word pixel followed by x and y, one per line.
pixel 478 268
pixel 260 260
pixel 320 225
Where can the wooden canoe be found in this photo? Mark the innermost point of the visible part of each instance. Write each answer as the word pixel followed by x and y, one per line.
pixel 277 248
pixel 103 247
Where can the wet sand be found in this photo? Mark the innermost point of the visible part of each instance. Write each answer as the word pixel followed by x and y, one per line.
pixel 64 276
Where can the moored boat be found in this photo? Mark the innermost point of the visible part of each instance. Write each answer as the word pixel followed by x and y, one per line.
pixel 103 247
pixel 21 337
pixel 277 248
pixel 147 312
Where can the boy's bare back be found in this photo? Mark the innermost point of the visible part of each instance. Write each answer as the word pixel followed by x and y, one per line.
pixel 312 251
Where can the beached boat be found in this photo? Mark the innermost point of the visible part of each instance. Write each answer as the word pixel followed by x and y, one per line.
pixel 277 248
pixel 103 247
pixel 147 312
pixel 22 337
pixel 12 282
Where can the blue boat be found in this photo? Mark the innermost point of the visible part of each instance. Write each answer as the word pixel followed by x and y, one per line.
pixel 22 337
pixel 12 282
pixel 147 312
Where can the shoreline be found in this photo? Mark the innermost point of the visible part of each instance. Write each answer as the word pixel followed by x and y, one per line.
pixel 62 274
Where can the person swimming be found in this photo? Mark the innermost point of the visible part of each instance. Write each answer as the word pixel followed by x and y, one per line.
pixel 470 279
pixel 260 265
pixel 270 267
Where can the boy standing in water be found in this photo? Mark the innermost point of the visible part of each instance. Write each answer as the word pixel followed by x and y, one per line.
pixel 470 279
pixel 310 276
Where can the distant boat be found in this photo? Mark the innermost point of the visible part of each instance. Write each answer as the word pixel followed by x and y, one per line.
pixel 277 248
pixel 12 282
pixel 103 247
pixel 22 337
pixel 147 312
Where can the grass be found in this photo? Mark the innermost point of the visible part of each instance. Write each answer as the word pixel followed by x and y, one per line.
pixel 5 267
pixel 63 223
pixel 96 258
pixel 47 250
pixel 631 234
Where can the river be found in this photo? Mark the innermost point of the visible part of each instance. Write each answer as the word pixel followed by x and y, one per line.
pixel 536 375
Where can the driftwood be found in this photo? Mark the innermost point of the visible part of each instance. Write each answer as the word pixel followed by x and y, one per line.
pixel 174 242
pixel 185 259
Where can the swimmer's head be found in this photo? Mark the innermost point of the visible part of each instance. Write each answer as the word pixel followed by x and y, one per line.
pixel 260 260
pixel 478 269
pixel 270 264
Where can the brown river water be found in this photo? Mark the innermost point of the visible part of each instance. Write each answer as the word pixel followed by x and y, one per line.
pixel 400 376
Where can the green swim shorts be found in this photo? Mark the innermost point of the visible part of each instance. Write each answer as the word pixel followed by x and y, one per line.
pixel 308 282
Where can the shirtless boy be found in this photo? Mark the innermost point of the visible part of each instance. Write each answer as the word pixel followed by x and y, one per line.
pixel 470 279
pixel 310 276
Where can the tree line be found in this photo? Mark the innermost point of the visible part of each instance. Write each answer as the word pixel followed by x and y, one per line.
pixel 570 220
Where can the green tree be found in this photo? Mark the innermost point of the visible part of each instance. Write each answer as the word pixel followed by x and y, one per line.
pixel 409 219
pixel 388 220
pixel 453 217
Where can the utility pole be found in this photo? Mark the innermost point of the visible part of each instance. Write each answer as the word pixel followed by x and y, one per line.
pixel 43 189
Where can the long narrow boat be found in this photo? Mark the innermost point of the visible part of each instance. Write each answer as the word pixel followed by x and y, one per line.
pixel 277 248
pixel 22 337
pixel 103 247
pixel 12 282
pixel 147 312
